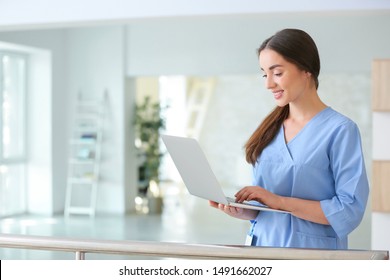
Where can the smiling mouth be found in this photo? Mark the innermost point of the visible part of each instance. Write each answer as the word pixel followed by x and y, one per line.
pixel 278 94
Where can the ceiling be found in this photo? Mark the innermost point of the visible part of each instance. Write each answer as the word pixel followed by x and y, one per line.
pixel 37 14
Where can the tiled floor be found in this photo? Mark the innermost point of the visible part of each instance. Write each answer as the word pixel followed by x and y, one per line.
pixel 185 219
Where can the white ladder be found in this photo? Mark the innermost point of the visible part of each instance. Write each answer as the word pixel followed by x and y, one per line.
pixel 199 96
pixel 84 157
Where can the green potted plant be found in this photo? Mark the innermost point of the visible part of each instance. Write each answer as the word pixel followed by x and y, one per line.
pixel 148 122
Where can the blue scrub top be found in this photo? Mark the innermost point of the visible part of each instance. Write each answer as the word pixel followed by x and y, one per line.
pixel 323 162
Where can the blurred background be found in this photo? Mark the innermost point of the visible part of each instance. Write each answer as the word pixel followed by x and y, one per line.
pixel 86 88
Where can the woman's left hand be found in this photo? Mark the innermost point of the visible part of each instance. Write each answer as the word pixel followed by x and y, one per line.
pixel 261 195
pixel 309 210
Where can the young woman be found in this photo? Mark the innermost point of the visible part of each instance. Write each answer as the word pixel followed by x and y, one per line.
pixel 307 158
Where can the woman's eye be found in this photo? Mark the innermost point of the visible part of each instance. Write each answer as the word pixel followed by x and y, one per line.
pixel 264 76
pixel 278 74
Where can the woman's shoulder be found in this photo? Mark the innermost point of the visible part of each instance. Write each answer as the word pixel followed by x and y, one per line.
pixel 337 119
pixel 339 125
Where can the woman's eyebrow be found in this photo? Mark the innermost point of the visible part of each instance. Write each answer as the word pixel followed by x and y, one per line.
pixel 272 67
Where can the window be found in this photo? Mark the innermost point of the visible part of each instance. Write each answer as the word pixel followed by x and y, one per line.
pixel 13 84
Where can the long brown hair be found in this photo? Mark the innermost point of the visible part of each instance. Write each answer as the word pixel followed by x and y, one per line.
pixel 297 47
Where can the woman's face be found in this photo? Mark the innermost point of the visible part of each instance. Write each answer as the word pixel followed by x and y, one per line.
pixel 285 80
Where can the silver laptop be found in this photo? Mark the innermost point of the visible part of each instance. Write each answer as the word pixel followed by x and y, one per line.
pixel 197 175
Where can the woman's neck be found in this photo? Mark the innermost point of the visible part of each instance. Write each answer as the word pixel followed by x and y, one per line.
pixel 306 108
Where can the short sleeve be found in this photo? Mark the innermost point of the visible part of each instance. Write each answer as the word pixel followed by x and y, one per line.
pixel 345 209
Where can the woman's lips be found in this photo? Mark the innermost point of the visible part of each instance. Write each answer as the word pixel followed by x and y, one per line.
pixel 278 94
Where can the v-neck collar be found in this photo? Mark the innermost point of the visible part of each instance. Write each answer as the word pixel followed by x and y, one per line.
pixel 285 146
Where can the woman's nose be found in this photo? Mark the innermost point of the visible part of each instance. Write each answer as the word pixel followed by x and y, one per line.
pixel 269 82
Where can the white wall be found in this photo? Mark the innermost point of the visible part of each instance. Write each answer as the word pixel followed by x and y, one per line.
pixel 227 45
pixel 96 62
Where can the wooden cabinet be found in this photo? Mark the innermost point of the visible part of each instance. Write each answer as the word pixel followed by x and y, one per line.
pixel 381 85
pixel 380 191
pixel 381 186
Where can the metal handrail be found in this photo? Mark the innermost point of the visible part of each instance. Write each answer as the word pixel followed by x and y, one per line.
pixel 179 250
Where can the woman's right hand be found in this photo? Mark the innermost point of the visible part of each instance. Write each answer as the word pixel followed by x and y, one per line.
pixel 236 212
